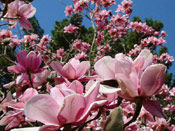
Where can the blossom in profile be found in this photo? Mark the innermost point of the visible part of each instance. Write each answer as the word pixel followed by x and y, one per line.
pixel 138 79
pixel 73 70
pixel 63 106
pixel 68 10
pixel 70 29
pixel 15 116
pixel 26 63
pixel 19 11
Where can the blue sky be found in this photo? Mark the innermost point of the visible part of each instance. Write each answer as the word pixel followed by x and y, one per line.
pixel 163 10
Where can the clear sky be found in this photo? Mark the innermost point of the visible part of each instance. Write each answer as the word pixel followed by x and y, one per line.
pixel 163 10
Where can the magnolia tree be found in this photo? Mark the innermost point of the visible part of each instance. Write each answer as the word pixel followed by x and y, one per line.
pixel 83 87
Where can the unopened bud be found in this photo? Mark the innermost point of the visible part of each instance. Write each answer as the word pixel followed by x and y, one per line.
pixel 115 121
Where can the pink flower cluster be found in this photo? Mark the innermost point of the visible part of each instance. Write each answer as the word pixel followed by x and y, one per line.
pixel 80 46
pixel 153 40
pixel 100 37
pixel 135 51
pixel 165 57
pixel 125 7
pixel 141 28
pixel 70 29
pixel 5 34
pixel 59 53
pixel 103 49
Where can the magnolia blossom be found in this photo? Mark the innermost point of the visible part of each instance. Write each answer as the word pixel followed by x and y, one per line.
pixel 107 3
pixel 71 29
pixel 59 53
pixel 80 46
pixel 5 34
pixel 14 42
pixel 141 27
pixel 137 79
pixel 40 78
pixel 26 62
pixel 79 5
pixel 30 38
pixel 63 106
pixel 72 70
pixel 68 10
pixel 15 117
pixel 152 40
pixel 163 33
pixel 21 11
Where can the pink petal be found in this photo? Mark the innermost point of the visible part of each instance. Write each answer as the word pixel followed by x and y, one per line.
pixel 91 102
pixel 91 94
pixel 33 61
pixel 5 120
pixel 9 85
pixel 105 67
pixel 57 95
pixel 41 78
pixel 123 64
pixel 77 87
pixel 8 98
pixel 146 57
pixel 69 71
pixel 28 94
pixel 56 66
pixel 14 69
pixel 89 85
pixel 42 108
pixel 21 57
pixel 127 85
pixel 25 23
pixel 14 6
pixel 154 108
pixel 18 105
pixel 72 109
pixel 37 61
pixel 82 68
pixel 152 79
pixel 27 10
pixel 74 62
pixel 63 88
pixel 111 97
pixel 139 64
pixel 30 60
pixel 8 117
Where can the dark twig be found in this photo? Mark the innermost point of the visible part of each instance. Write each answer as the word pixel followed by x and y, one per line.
pixel 119 101
pixel 30 79
pixel 137 112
